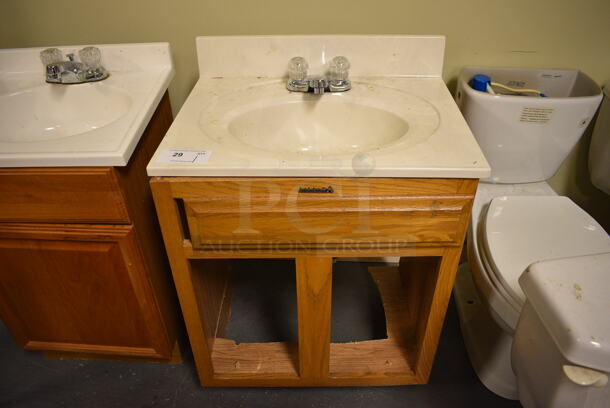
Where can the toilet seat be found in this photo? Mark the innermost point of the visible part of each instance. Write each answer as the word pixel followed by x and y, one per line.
pixel 497 283
pixel 520 230
pixel 504 314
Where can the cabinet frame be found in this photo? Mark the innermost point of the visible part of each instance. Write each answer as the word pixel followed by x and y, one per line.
pixel 428 268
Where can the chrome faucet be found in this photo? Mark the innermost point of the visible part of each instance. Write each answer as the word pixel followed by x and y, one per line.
pixel 317 84
pixel 336 81
pixel 59 71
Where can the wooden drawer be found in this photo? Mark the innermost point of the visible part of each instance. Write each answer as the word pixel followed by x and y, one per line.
pixel 61 195
pixel 330 212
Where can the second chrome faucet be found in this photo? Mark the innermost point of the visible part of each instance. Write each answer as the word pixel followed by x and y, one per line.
pixel 60 71
pixel 336 81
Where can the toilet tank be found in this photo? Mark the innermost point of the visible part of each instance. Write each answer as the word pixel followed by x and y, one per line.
pixel 599 152
pixel 526 138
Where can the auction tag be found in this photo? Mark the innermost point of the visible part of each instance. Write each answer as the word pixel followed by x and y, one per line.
pixel 184 156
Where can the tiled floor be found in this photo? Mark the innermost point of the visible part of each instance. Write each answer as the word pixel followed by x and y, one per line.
pixel 29 380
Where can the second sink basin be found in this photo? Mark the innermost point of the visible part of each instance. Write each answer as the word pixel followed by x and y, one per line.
pixel 90 124
pixel 52 112
pixel 269 118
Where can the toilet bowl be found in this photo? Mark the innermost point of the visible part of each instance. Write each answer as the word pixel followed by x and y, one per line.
pixel 515 225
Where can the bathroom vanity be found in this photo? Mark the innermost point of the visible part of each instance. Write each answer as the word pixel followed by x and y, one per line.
pixel 83 272
pixel 207 221
pixel 250 169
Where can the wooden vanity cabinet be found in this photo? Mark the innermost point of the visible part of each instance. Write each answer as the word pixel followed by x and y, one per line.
pixel 208 221
pixel 83 271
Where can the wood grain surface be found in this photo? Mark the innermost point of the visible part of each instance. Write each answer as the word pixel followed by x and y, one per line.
pixel 423 221
pixel 314 293
pixel 61 195
pixel 78 288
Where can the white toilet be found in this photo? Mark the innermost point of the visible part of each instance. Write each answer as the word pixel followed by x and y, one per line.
pixel 517 220
pixel 561 359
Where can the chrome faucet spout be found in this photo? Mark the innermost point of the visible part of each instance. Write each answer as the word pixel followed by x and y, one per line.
pixel 318 85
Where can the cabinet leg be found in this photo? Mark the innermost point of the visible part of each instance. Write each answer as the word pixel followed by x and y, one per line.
pixel 429 281
pixel 314 291
pixel 182 272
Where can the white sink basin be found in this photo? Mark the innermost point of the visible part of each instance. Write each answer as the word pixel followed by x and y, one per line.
pixel 54 112
pixel 269 118
pixel 90 124
pixel 317 127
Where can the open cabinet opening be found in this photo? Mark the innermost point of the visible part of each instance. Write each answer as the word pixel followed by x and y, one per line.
pixel 263 301
pixel 405 296
pixel 256 316
pixel 357 308
pixel 315 318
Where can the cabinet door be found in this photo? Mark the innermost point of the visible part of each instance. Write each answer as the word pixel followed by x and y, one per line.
pixel 77 288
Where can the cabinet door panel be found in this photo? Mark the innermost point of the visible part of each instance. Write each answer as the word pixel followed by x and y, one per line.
pixel 78 288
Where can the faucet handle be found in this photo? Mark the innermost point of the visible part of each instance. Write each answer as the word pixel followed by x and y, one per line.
pixel 297 68
pixel 339 67
pixel 51 56
pixel 90 56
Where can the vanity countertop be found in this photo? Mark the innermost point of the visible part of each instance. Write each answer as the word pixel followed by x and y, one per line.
pixel 397 75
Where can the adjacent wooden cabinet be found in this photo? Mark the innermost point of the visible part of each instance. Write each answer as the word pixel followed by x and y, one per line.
pixel 83 271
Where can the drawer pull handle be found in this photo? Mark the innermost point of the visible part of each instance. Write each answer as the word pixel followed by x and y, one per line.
pixel 328 189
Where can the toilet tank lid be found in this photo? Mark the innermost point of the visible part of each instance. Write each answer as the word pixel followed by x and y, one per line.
pixel 572 298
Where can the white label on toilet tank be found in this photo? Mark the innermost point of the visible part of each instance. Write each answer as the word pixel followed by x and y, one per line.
pixel 551 75
pixel 532 114
pixel 184 156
